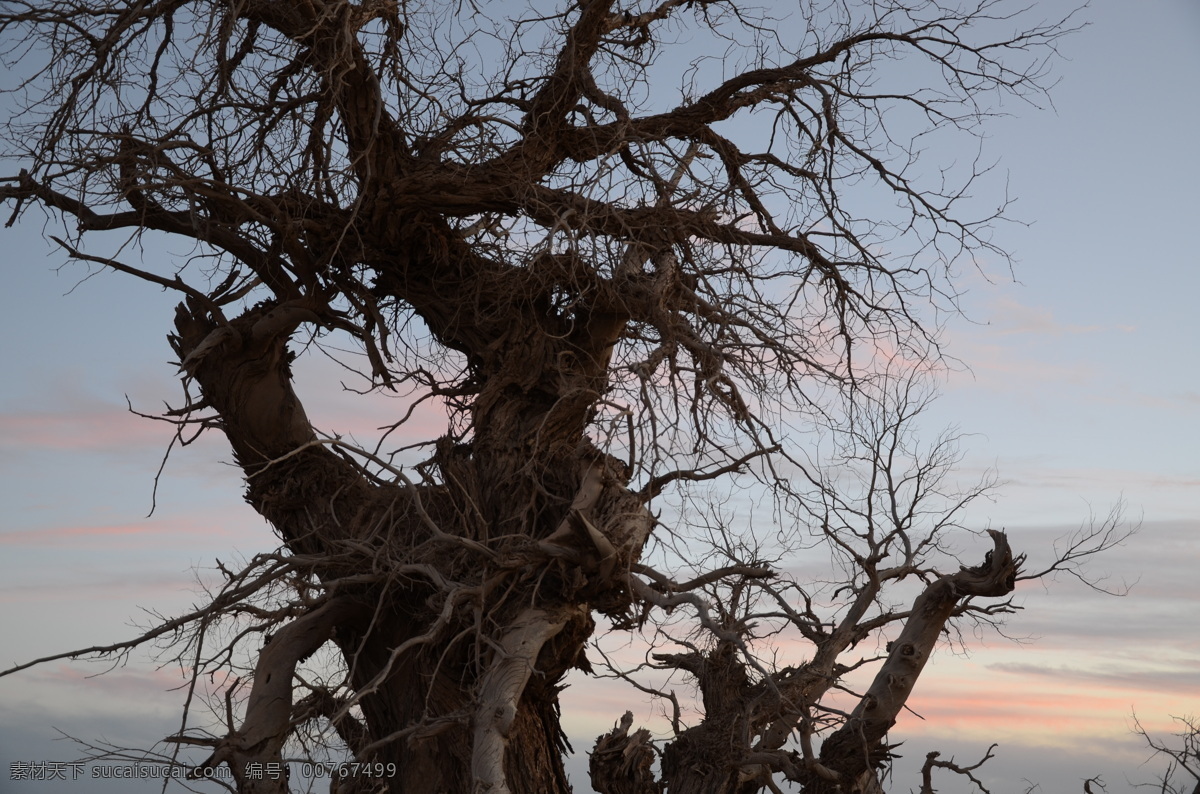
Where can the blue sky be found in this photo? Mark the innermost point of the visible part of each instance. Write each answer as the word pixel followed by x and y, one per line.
pixel 1079 385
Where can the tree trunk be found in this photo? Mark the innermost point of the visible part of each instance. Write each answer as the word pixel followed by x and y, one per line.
pixel 621 762
pixel 459 606
pixel 707 758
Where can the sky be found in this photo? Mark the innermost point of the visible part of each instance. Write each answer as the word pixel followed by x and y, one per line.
pixel 1078 385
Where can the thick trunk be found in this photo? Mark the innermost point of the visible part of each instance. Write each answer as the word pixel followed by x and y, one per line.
pixel 458 607
pixel 621 762
pixel 452 730
pixel 707 758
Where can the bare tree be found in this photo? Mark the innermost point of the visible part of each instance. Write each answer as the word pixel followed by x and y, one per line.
pixel 1182 775
pixel 626 248
pixel 885 511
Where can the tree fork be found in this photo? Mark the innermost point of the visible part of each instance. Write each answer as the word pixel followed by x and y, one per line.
pixel 856 749
pixel 507 736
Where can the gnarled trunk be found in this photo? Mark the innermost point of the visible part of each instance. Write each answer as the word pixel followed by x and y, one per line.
pixel 459 605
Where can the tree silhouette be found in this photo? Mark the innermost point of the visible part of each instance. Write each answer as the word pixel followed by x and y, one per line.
pixel 626 250
pixel 1182 775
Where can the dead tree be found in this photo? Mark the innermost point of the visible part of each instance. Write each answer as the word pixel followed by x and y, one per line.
pixel 1182 775
pixel 619 263
pixel 886 511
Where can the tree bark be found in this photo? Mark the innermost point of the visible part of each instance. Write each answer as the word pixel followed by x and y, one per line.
pixel 621 762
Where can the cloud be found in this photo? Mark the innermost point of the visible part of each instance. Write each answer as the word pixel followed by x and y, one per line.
pixel 1014 347
pixel 1002 368
pixel 1185 681
pixel 140 535
pixel 131 707
pixel 73 420
pixel 1061 705
pixel 119 589
pixel 1007 316
pixel 123 685
pixel 74 535
pixel 96 428
pixel 1016 765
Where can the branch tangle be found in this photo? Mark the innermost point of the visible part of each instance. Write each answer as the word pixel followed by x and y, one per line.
pixel 346 168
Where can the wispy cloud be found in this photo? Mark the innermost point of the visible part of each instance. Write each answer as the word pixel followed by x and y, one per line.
pixel 336 408
pixel 1007 316
pixel 1037 704
pixel 133 681
pixel 142 534
pixel 125 590
pixel 1184 681
pixel 60 535
pixel 107 429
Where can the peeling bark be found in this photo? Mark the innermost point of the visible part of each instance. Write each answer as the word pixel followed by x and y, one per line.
pixel 500 693
pixel 621 761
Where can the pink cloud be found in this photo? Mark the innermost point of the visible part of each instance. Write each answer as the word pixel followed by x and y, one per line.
pixel 124 589
pixel 363 418
pixel 69 693
pixel 107 536
pixel 1055 721
pixel 960 699
pixel 95 429
pixel 77 423
pixel 57 536
pixel 368 418
pixel 130 680
pixel 995 359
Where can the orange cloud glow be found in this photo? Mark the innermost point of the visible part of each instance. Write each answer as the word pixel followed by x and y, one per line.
pixel 964 700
